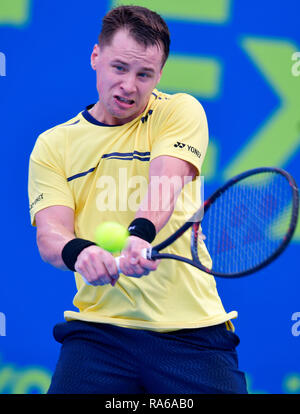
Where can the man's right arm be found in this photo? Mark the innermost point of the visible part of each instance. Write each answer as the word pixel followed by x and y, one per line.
pixel 55 228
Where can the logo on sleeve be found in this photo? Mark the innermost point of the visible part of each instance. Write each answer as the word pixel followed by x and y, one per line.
pixel 179 145
pixel 188 148
pixel 39 198
pixel 145 118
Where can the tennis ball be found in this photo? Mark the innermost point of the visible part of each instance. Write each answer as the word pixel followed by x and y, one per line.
pixel 111 236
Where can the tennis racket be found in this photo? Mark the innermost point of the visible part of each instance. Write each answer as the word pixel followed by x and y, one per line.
pixel 248 223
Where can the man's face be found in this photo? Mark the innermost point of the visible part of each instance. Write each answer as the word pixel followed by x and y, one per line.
pixel 127 72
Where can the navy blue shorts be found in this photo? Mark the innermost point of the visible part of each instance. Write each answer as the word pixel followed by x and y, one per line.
pixel 98 358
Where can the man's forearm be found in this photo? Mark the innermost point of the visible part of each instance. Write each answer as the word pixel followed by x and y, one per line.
pixel 159 202
pixel 51 243
pixel 167 177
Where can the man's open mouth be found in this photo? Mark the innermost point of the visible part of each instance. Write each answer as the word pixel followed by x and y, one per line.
pixel 124 100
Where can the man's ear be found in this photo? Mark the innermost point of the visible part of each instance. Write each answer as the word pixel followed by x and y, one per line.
pixel 94 56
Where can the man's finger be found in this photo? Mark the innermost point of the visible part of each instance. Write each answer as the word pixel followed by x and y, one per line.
pixel 149 264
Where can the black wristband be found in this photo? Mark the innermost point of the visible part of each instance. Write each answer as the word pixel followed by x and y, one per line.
pixel 71 251
pixel 143 228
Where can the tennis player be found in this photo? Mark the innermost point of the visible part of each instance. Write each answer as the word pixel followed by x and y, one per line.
pixel 154 327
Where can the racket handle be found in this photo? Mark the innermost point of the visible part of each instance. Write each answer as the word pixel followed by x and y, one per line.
pixel 146 253
pixel 85 281
pixel 117 259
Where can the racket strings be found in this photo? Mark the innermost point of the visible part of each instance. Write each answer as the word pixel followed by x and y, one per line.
pixel 247 223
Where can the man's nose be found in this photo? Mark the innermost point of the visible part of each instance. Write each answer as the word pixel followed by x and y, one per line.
pixel 129 84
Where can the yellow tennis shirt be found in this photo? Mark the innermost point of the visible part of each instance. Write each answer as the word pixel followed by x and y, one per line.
pixel 101 172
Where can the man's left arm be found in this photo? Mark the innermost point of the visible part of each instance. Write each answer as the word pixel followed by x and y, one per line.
pixel 173 164
pixel 167 177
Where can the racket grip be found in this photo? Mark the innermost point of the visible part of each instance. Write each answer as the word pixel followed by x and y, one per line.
pixel 118 267
pixel 117 259
pixel 85 281
pixel 146 253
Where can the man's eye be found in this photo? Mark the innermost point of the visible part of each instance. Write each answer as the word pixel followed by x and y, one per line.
pixel 119 68
pixel 143 75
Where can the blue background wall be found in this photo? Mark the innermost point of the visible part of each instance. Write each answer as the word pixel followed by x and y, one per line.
pixel 238 57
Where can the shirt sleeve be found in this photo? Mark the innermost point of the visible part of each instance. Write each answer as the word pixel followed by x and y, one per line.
pixel 181 131
pixel 47 183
